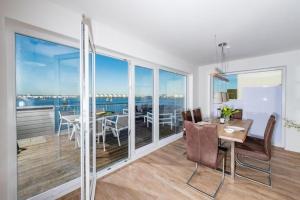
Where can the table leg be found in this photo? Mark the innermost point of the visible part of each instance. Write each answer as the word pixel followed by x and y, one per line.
pixel 232 160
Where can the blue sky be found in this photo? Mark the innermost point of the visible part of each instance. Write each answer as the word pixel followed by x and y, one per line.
pixel 47 68
pixel 221 86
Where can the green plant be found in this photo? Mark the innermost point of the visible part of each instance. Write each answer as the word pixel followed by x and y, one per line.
pixel 292 124
pixel 227 112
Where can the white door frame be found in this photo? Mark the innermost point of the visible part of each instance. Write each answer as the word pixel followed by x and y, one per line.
pixel 87 186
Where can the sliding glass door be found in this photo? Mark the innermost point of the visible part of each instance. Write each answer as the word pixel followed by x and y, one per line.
pixel 111 111
pixel 144 118
pixel 172 101
pixel 47 106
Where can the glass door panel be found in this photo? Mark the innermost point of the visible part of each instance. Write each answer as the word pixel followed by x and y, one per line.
pixel 47 104
pixel 111 111
pixel 172 101
pixel 143 106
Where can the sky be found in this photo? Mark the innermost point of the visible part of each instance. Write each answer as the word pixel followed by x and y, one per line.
pixel 222 86
pixel 47 68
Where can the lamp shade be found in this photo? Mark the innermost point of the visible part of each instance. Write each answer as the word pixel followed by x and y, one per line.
pixel 218 98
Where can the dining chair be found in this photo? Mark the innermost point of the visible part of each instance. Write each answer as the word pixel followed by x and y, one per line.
pixel 238 115
pixel 197 115
pixel 202 148
pixel 259 150
pixel 186 116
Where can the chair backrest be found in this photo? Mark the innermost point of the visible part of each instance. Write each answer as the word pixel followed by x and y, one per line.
pixel 187 115
pixel 122 121
pixel 150 115
pixel 125 111
pixel 99 125
pixel 202 144
pixel 268 135
pixel 197 115
pixel 238 115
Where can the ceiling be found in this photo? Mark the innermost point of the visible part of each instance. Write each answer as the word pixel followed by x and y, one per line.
pixel 186 28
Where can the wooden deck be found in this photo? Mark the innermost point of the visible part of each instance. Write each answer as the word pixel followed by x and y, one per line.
pixel 52 160
pixel 163 175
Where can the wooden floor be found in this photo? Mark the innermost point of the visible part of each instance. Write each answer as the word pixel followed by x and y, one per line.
pixel 53 160
pixel 163 174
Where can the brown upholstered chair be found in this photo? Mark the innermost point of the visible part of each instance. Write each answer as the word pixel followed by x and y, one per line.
pixel 202 148
pixel 197 115
pixel 257 149
pixel 238 115
pixel 186 116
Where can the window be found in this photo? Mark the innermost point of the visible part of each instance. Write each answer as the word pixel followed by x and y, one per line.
pixel 47 88
pixel 143 106
pixel 172 101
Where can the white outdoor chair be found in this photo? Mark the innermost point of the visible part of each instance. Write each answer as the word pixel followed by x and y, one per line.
pixel 166 118
pixel 116 124
pixel 76 133
pixel 177 117
pixel 148 118
pixel 100 130
pixel 63 121
pixel 125 111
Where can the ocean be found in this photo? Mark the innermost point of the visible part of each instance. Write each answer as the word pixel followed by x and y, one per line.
pixel 114 105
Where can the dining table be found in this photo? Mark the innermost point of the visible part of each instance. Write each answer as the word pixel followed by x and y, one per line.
pixel 239 135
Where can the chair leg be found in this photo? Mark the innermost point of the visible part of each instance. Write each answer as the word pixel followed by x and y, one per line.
pixel 68 128
pixel 103 140
pixel 118 138
pixel 212 196
pixel 60 121
pixel 73 132
pixel 246 165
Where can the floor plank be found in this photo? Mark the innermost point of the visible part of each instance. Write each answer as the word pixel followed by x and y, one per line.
pixel 163 175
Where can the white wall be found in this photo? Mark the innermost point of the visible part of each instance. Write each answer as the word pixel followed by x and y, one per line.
pixel 292 106
pixel 60 20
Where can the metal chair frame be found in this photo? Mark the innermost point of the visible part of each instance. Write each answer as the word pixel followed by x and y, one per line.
pixel 267 171
pixel 214 194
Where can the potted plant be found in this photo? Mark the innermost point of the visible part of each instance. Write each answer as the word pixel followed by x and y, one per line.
pixel 226 113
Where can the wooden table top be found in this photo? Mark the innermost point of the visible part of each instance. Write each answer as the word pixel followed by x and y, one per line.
pixel 237 136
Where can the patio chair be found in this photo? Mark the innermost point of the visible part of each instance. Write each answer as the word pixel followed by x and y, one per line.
pixel 148 118
pixel 116 124
pixel 100 130
pixel 177 116
pixel 166 118
pixel 63 121
pixel 125 111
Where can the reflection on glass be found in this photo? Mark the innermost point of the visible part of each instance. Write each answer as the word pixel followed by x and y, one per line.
pixel 111 110
pixel 172 98
pixel 143 106
pixel 47 89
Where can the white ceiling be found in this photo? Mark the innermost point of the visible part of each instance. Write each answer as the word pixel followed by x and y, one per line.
pixel 186 28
